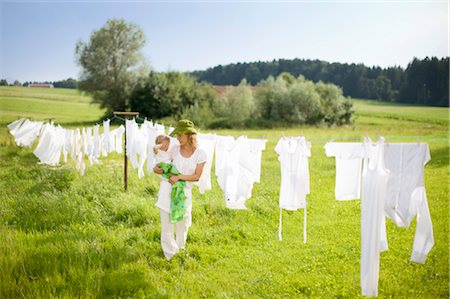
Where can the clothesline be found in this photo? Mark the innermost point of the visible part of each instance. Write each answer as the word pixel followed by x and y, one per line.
pixel 318 140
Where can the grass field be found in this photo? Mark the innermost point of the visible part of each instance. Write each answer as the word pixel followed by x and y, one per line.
pixel 66 235
pixel 403 112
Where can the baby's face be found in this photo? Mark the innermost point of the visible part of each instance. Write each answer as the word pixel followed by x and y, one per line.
pixel 164 146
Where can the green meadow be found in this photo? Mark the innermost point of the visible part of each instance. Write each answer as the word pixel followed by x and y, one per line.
pixel 65 235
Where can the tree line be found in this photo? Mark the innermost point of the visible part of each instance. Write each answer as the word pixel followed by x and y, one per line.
pixel 424 81
pixel 67 83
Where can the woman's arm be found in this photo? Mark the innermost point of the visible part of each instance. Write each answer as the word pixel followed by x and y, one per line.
pixel 191 177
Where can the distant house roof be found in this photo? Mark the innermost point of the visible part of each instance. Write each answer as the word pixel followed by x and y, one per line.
pixel 43 85
pixel 222 88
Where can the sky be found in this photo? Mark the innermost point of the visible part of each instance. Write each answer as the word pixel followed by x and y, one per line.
pixel 38 38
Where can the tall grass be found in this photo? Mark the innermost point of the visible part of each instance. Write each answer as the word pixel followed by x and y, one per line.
pixel 66 235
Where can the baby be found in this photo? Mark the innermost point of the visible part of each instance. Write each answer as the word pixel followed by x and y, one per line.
pixel 160 149
pixel 171 198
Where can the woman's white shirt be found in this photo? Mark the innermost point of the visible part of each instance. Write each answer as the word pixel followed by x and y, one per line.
pixel 185 166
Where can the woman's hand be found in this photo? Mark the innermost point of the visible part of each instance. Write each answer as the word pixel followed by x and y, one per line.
pixel 157 170
pixel 173 179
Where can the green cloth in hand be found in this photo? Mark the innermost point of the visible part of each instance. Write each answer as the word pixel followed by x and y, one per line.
pixel 177 196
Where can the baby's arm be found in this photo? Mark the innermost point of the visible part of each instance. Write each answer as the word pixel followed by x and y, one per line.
pixel 156 148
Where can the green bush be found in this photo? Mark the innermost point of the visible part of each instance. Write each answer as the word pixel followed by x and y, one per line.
pixel 299 101
pixel 234 107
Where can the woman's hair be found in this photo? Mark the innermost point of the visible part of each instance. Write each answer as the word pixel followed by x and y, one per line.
pixel 192 140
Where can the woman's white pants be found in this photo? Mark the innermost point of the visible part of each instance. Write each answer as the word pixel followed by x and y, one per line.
pixel 171 245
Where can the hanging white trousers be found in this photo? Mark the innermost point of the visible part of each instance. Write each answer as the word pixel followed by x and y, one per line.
pixel 171 245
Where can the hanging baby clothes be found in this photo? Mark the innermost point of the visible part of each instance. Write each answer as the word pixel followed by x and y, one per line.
pixel 77 150
pixel 348 157
pixel 141 141
pixel 207 142
pixel 106 138
pixel 89 139
pixel 136 148
pixel 406 194
pixel 152 132
pixel 118 139
pixel 375 178
pixel 96 150
pixel 67 146
pixel 293 156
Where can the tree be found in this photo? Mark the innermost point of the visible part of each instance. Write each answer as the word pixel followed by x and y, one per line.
pixel 68 83
pixel 236 105
pixel 3 82
pixel 166 94
pixel 111 63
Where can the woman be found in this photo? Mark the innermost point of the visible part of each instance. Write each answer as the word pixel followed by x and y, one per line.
pixel 189 160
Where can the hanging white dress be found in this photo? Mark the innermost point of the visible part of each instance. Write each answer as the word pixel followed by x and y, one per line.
pixel 293 156
pixel 374 181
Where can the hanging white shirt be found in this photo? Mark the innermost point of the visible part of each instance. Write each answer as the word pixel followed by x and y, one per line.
pixel 223 143
pixel 406 194
pixel 27 133
pixel 50 145
pixel 12 127
pixel 348 157
pixel 235 180
pixel 207 142
pixel 293 156
pixel 254 159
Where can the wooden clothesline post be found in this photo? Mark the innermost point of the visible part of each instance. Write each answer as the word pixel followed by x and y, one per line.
pixel 125 160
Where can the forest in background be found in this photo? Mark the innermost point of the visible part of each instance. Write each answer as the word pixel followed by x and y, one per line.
pixel 423 82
